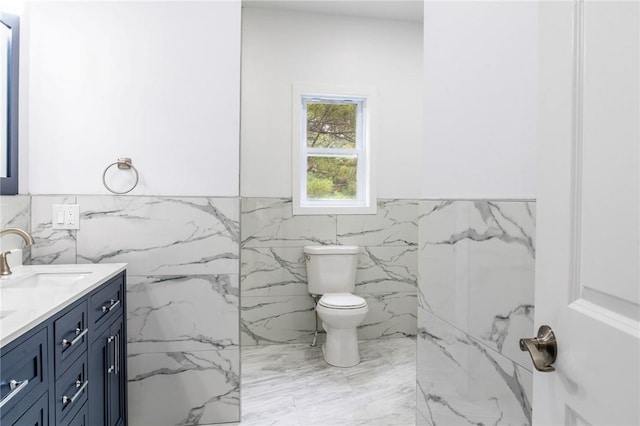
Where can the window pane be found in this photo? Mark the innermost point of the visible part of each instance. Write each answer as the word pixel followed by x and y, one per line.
pixel 331 125
pixel 331 178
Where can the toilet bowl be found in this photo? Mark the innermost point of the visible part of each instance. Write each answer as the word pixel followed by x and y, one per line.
pixel 331 272
pixel 341 313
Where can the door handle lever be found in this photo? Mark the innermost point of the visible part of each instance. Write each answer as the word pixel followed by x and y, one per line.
pixel 543 349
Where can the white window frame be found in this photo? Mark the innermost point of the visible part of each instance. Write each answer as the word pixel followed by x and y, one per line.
pixel 365 202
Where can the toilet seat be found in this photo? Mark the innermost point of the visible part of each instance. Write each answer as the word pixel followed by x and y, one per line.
pixel 342 301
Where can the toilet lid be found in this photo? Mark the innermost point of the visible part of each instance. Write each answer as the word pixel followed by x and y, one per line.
pixel 342 301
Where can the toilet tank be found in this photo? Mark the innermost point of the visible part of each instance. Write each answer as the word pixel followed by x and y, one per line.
pixel 331 269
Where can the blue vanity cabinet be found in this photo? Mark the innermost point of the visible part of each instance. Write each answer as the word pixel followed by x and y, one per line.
pixel 81 418
pixel 70 370
pixel 70 334
pixel 107 355
pixel 24 379
pixel 108 376
pixel 36 415
pixel 116 401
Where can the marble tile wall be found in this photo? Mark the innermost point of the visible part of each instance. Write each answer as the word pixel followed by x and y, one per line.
pixel 276 306
pixel 15 212
pixel 476 268
pixel 182 294
pixel 475 293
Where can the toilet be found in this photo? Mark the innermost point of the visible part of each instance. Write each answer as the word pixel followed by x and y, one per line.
pixel 331 272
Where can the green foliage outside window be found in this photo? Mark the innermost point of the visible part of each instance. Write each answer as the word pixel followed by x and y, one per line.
pixel 331 125
pixel 331 178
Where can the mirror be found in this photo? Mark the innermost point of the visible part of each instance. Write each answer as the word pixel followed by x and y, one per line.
pixel 9 57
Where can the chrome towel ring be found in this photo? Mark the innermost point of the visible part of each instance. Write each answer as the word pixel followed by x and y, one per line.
pixel 123 164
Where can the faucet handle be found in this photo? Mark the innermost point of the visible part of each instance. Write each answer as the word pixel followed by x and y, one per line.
pixel 4 266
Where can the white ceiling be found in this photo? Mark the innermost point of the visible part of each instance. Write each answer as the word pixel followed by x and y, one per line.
pixel 404 10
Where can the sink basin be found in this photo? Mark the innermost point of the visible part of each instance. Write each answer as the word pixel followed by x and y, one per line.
pixel 43 280
pixel 33 293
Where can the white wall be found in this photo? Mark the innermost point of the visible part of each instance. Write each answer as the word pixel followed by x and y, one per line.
pixel 480 99
pixel 155 81
pixel 282 47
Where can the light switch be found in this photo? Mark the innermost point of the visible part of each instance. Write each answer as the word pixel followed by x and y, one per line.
pixel 65 216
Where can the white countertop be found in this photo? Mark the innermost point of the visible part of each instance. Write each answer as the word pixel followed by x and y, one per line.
pixel 34 293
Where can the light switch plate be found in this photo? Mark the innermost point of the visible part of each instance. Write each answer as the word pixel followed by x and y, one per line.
pixel 65 216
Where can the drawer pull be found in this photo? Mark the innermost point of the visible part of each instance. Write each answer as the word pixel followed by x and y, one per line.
pixel 117 360
pixel 15 387
pixel 66 400
pixel 79 335
pixel 111 368
pixel 112 304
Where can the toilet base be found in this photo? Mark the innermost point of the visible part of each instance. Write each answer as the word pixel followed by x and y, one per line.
pixel 341 347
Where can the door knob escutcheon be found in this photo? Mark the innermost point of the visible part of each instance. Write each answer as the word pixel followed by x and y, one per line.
pixel 543 349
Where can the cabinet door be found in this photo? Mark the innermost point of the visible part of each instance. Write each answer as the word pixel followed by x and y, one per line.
pixel 107 378
pixel 116 378
pixel 79 419
pixel 36 415
pixel 100 355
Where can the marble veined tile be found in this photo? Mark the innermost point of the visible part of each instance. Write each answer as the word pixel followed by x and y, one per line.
pixel 449 222
pixel 374 392
pixel 15 212
pixel 390 315
pixel 52 245
pixel 397 351
pixel 269 222
pixel 184 388
pixel 276 319
pixel 395 223
pixel 291 319
pixel 462 381
pixel 280 381
pixel 160 235
pixel 268 409
pixel 477 267
pixel 274 271
pixel 387 269
pixel 182 313
pixel 282 271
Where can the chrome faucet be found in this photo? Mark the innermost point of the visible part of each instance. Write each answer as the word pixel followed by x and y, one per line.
pixel 28 239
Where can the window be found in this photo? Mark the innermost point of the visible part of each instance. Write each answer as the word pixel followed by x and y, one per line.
pixel 332 152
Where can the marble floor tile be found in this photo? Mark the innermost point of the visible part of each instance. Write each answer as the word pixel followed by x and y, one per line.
pixel 292 385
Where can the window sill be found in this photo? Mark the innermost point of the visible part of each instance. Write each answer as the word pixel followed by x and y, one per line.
pixel 301 210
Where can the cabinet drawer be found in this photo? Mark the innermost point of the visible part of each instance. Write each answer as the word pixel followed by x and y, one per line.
pixel 36 415
pixel 23 373
pixel 70 333
pixel 72 390
pixel 80 419
pixel 106 303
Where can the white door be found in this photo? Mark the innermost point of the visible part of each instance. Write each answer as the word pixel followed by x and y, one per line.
pixel 587 273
